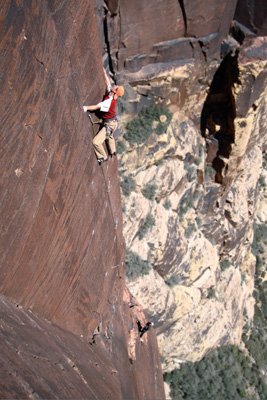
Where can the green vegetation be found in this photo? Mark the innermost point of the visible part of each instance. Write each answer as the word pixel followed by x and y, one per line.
pixel 264 160
pixel 185 204
pixel 167 204
pixel 159 162
pixel 228 373
pixel 189 230
pixel 145 225
pixel 256 343
pixel 135 265
pixel 259 245
pixel 120 147
pixel 225 374
pixel 211 294
pixel 196 197
pixel 128 185
pixel 172 281
pixel 209 171
pixel 262 181
pixel 198 222
pixel 189 200
pixel 139 129
pixel 224 264
pixel 149 191
pixel 190 172
pixel 200 154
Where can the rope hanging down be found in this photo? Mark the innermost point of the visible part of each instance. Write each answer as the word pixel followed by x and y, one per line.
pixel 115 218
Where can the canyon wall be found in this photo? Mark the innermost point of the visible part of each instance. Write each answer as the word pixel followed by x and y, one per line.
pixel 253 15
pixel 141 37
pixel 198 241
pixel 66 320
pixel 190 191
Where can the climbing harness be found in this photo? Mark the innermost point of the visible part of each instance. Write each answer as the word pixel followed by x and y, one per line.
pixel 109 130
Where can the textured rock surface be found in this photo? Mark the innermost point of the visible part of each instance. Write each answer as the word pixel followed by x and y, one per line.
pixel 61 241
pixel 144 35
pixel 61 228
pixel 202 280
pixel 253 15
pixel 45 142
pixel 39 359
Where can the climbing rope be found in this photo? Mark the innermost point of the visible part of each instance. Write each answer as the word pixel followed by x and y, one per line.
pixel 92 121
pixel 115 220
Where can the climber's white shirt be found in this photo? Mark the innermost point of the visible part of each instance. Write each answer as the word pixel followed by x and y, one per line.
pixel 105 105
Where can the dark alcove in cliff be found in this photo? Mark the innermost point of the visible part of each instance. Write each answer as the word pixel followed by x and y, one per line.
pixel 218 114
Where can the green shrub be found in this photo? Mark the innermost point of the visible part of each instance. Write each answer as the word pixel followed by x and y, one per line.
pixel 260 239
pixel 128 185
pixel 167 204
pixel 135 265
pixel 185 204
pixel 172 281
pixel 209 171
pixel 224 264
pixel 191 228
pixel 120 147
pixel 159 162
pixel 190 172
pixel 198 221
pixel 196 196
pixel 259 247
pixel 257 342
pixel 145 225
pixel 139 129
pixel 200 155
pixel 149 191
pixel 211 294
pixel 262 181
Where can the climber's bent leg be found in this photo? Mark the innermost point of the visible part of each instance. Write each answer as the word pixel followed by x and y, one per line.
pixel 98 144
pixel 111 127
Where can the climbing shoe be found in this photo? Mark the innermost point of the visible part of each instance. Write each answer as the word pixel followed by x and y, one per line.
pixel 101 160
pixel 113 154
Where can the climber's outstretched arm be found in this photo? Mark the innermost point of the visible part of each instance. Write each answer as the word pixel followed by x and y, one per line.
pixel 100 106
pixel 92 108
pixel 107 80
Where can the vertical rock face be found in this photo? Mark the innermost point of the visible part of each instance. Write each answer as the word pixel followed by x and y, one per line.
pixel 253 15
pixel 51 201
pixel 62 250
pixel 142 34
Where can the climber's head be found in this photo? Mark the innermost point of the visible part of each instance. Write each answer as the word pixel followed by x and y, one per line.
pixel 118 90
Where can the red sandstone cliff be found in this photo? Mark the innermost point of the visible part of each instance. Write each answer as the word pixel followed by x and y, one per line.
pixel 143 36
pixel 62 249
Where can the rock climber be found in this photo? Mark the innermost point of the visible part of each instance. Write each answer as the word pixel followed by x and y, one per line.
pixel 145 328
pixel 107 108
